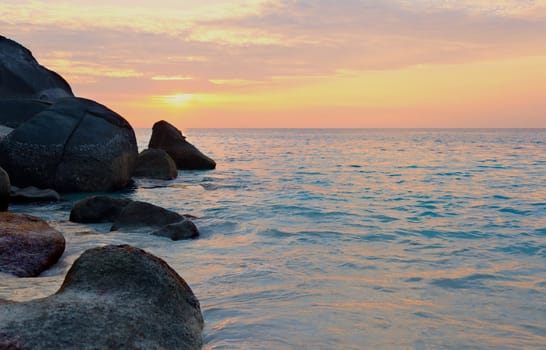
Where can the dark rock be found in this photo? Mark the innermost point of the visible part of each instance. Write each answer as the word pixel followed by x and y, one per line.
pixel 186 156
pixel 33 194
pixel 98 209
pixel 139 216
pixel 28 245
pixel 184 229
pixel 4 190
pixel 4 131
pixel 113 297
pixel 76 145
pixel 21 76
pixel 13 113
pixel 156 164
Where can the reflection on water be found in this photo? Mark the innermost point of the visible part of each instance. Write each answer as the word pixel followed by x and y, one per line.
pixel 323 239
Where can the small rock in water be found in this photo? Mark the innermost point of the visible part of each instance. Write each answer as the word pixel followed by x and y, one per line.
pixel 141 215
pixel 98 209
pixel 33 194
pixel 184 229
pixel 113 297
pixel 28 245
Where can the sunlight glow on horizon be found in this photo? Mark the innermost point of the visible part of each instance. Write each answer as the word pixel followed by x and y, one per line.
pixel 270 63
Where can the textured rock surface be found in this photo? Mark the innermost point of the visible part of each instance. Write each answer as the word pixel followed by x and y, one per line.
pixel 13 113
pixel 28 245
pixel 76 145
pixel 21 76
pixel 4 190
pixel 139 216
pixel 33 195
pixel 155 164
pixel 113 297
pixel 186 156
pixel 98 209
pixel 184 229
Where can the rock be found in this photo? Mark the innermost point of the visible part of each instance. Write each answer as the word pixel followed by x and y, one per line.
pixel 138 216
pixel 113 297
pixel 186 156
pixel 184 229
pixel 21 76
pixel 98 209
pixel 15 112
pixel 33 194
pixel 4 190
pixel 156 164
pixel 28 245
pixel 4 131
pixel 76 145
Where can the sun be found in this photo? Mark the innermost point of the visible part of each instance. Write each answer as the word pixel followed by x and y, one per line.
pixel 177 99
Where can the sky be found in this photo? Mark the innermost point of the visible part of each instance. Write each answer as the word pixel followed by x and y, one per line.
pixel 296 63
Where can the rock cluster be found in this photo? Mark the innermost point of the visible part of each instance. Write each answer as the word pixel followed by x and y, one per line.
pixel 134 216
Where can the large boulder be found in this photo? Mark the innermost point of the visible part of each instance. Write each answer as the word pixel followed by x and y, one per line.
pixel 113 297
pixel 186 156
pixel 76 145
pixel 155 163
pixel 21 76
pixel 98 209
pixel 4 190
pixel 33 194
pixel 28 245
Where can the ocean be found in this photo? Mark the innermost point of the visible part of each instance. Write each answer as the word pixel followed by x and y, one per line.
pixel 348 239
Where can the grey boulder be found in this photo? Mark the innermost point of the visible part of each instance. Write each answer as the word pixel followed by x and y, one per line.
pixel 186 156
pixel 28 245
pixel 113 297
pixel 75 145
pixel 21 76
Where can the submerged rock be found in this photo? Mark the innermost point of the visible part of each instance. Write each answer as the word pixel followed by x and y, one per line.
pixel 186 156
pixel 184 229
pixel 155 164
pixel 76 145
pixel 98 209
pixel 28 245
pixel 33 194
pixel 23 77
pixel 113 297
pixel 4 190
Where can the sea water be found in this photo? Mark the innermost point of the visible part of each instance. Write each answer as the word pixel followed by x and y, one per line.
pixel 348 239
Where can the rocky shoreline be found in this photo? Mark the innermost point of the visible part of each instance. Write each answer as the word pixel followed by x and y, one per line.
pixel 52 143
